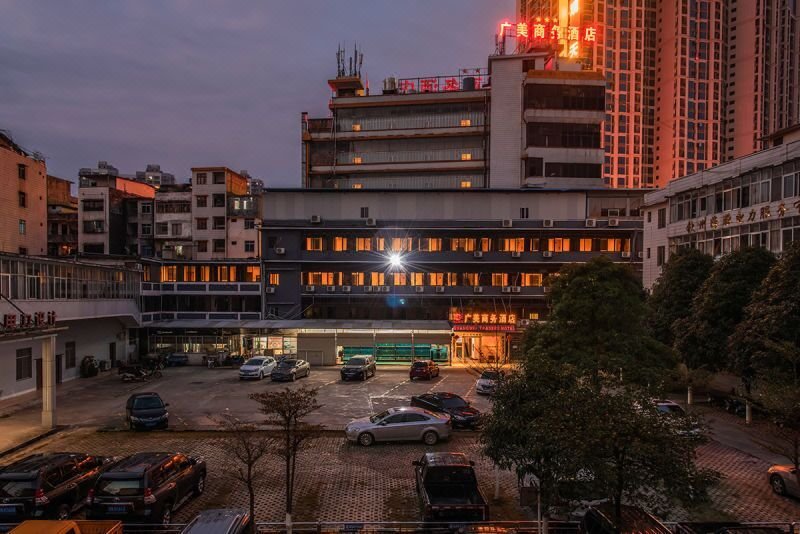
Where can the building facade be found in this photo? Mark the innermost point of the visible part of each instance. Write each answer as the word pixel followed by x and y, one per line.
pixel 153 175
pixel 211 188
pixel 23 217
pixel 62 218
pixel 172 222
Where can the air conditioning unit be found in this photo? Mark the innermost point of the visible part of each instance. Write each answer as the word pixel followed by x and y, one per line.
pixel 440 289
pixel 507 289
pixel 280 251
pixel 384 289
pixel 310 289
pixel 626 254
pixel 547 254
pixel 547 223
pixel 345 289
pixel 419 289
pixel 524 322
pixel 269 290
pixel 477 254
pixel 371 222
pixel 613 213
pixel 591 223
pixel 367 289
pixel 508 223
pixel 477 289
pixel 640 255
pixel 331 289
pixel 516 254
pixel 613 222
pixel 316 219
pixel 516 289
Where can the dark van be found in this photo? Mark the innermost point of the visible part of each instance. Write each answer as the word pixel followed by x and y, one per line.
pixel 221 521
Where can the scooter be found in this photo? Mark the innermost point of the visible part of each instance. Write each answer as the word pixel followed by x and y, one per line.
pixel 138 374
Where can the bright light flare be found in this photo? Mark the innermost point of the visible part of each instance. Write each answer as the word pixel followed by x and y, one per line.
pixel 395 261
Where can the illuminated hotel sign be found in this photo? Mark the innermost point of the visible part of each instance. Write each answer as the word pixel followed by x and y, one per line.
pixel 479 321
pixel 564 31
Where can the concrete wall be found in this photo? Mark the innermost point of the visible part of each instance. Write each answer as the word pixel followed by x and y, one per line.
pixel 654 237
pixel 93 193
pixel 34 240
pixel 508 136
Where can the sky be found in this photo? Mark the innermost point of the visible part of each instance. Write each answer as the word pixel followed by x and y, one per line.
pixel 186 83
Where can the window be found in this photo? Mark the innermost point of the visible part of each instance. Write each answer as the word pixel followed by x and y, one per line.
pixel 22 171
pixel 93 204
pixel 513 244
pixel 205 270
pixel 226 273
pixel 363 243
pixel 417 279
pixel 162 228
pixel 357 279
pixel 249 224
pixel 610 245
pixel 357 186
pixel 274 279
pixel 466 184
pixel 147 229
pixel 340 244
pixel 22 226
pixel 662 217
pixel 472 279
pixel 401 244
pixel 649 216
pixel 320 279
pixel 377 279
pixel 146 207
pixel 218 200
pixel 399 279
pixel 523 213
pixel 364 212
pixel 202 201
pixel 466 122
pixel 531 279
pixel 200 178
pixel 202 246
pixel 585 244
pixel 648 253
pixel 486 244
pixel 24 364
pixel 202 223
pixel 252 273
pixel 189 273
pixel 219 245
pixel 69 355
pixel 464 244
pixel 357 160
pixel 23 201
pixel 219 223
pixel 314 243
pixel 380 243
pixel 169 273
pixel 466 156
pixel 249 246
pixel 499 279
pixel 452 279
pixel 219 178
pixel 177 228
pixel 660 255
pixel 558 244
pixel 436 279
pixel 430 244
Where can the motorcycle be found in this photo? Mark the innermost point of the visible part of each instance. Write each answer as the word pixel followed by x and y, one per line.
pixel 138 374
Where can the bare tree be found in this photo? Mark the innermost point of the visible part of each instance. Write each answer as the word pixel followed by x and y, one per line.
pixel 286 410
pixel 247 447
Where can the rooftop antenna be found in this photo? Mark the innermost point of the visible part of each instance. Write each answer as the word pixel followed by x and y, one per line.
pixel 350 67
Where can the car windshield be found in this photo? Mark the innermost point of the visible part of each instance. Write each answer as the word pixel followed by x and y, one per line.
pixel 450 475
pixel 378 416
pixel 255 361
pixel 119 487
pixel 490 375
pixel 356 361
pixel 454 402
pixel 147 403
pixel 25 487
pixel 420 364
pixel 287 364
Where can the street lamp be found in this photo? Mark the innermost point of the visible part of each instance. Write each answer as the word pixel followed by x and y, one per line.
pixel 396 261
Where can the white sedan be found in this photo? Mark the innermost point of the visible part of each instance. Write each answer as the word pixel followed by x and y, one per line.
pixel 257 368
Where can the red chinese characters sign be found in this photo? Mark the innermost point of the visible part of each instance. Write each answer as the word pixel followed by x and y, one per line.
pixel 26 321
pixel 541 31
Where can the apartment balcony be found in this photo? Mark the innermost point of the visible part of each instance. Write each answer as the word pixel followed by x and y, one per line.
pixel 199 316
pixel 422 261
pixel 514 291
pixel 202 288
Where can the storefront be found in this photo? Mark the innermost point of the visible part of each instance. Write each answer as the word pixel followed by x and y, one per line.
pixel 482 336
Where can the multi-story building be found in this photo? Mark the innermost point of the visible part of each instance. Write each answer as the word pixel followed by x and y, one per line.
pixel 753 200
pixel 62 218
pixel 141 226
pixel 419 133
pixel 23 203
pixel 243 217
pixel 104 210
pixel 211 187
pixel 153 175
pixel 547 117
pixel 384 271
pixel 172 222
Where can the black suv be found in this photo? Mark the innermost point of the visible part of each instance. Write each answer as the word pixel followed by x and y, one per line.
pixel 146 487
pixel 50 485
pixel 146 411
pixel 361 367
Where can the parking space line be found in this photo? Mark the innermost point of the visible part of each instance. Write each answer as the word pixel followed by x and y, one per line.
pixel 439 383
pixel 394 388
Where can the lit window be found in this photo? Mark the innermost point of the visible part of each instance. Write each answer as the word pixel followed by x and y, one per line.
pixel 466 156
pixel 499 279
pixel 314 243
pixel 531 279
pixel 339 244
pixel 357 160
pixel 466 122
pixel 356 186
pixel 436 279
pixel 558 244
pixel 452 279
pixel 399 279
pixel 357 279
pixel 465 184
pixel 380 243
pixel 586 245
pixel 274 279
pixel 533 316
pixel 356 127
pixel 417 279
pixel 363 243
pixel 377 279
pixel 486 244
pixel 464 244
pixel 252 273
pixel 401 244
pixel 430 244
pixel 169 273
pixel 472 279
pixel 514 244
pixel 205 273
pixel 189 273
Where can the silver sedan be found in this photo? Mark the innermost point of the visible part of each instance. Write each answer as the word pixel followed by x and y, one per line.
pixel 784 480
pixel 400 424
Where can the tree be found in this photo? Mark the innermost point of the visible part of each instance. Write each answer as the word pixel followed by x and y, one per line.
pixel 718 307
pixel 671 297
pixel 286 410
pixel 246 447
pixel 596 324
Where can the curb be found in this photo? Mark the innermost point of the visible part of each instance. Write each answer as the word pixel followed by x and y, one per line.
pixel 32 440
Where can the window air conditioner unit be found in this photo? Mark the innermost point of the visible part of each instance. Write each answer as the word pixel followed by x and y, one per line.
pixel 280 251
pixel 477 289
pixel 613 222
pixel 639 255
pixel 371 222
pixel 419 289
pixel 508 223
pixel 367 289
pixel 591 223
pixel 310 289
pixel 613 213
pixel 331 289
pixel 384 289
pixel 316 219
pixel 346 289
pixel 477 254
pixel 547 254
pixel 626 254
pixel 507 289
pixel 516 254
pixel 547 223
pixel 440 289
pixel 516 289
pixel 270 290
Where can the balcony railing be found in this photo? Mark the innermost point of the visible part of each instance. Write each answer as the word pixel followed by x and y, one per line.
pixel 439 120
pixel 409 156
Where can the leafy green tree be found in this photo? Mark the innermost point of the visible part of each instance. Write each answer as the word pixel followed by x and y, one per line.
pixel 702 337
pixel 671 297
pixel 781 399
pixel 596 324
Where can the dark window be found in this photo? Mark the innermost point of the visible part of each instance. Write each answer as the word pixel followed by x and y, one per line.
pixel 219 245
pixel 649 216
pixel 69 354
pixel 177 228
pixel 162 228
pixel 219 178
pixel 662 217
pixel 523 213
pixel 23 251
pixel 573 170
pixel 365 212
pixel 93 204
pixel 249 224
pixel 22 171
pixel 24 364
pixel 660 255
pixel 219 223
pixel 23 200
pixel 218 200
pixel 147 207
pixel 202 246
pixel 202 201
pixel 202 224
pixel 565 97
pixel 566 135
pixel 249 246
pixel 535 167
pixel 200 178
pixel 93 227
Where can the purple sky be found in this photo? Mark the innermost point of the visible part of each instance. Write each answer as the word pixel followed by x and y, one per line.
pixel 189 83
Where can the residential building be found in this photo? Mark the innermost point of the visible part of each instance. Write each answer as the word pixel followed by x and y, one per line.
pixel 62 218
pixel 140 216
pixel 153 175
pixel 23 204
pixel 753 200
pixel 211 187
pixel 243 218
pixel 419 133
pixel 172 222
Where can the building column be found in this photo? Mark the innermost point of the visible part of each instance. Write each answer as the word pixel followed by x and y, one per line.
pixel 49 382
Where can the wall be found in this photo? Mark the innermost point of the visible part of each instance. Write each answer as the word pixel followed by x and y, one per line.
pixel 507 138
pixel 35 212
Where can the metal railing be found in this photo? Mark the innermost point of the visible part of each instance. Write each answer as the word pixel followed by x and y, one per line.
pixel 409 156
pixel 421 121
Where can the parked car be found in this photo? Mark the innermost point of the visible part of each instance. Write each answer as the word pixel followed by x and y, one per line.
pixel 146 411
pixel 42 526
pixel 290 369
pixel 146 487
pixel 426 369
pixel 487 383
pixel 257 368
pixel 52 485
pixel 784 480
pixel 358 367
pixel 600 520
pixel 220 521
pixel 400 424
pixel 689 426
pixel 459 410
pixel 447 488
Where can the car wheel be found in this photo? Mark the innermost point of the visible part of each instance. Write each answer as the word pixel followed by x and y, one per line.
pixel 294 377
pixel 363 376
pixel 430 438
pixel 63 512
pixel 166 513
pixel 200 486
pixel 366 439
pixel 778 485
pixel 261 376
pixel 131 426
pixel 308 373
